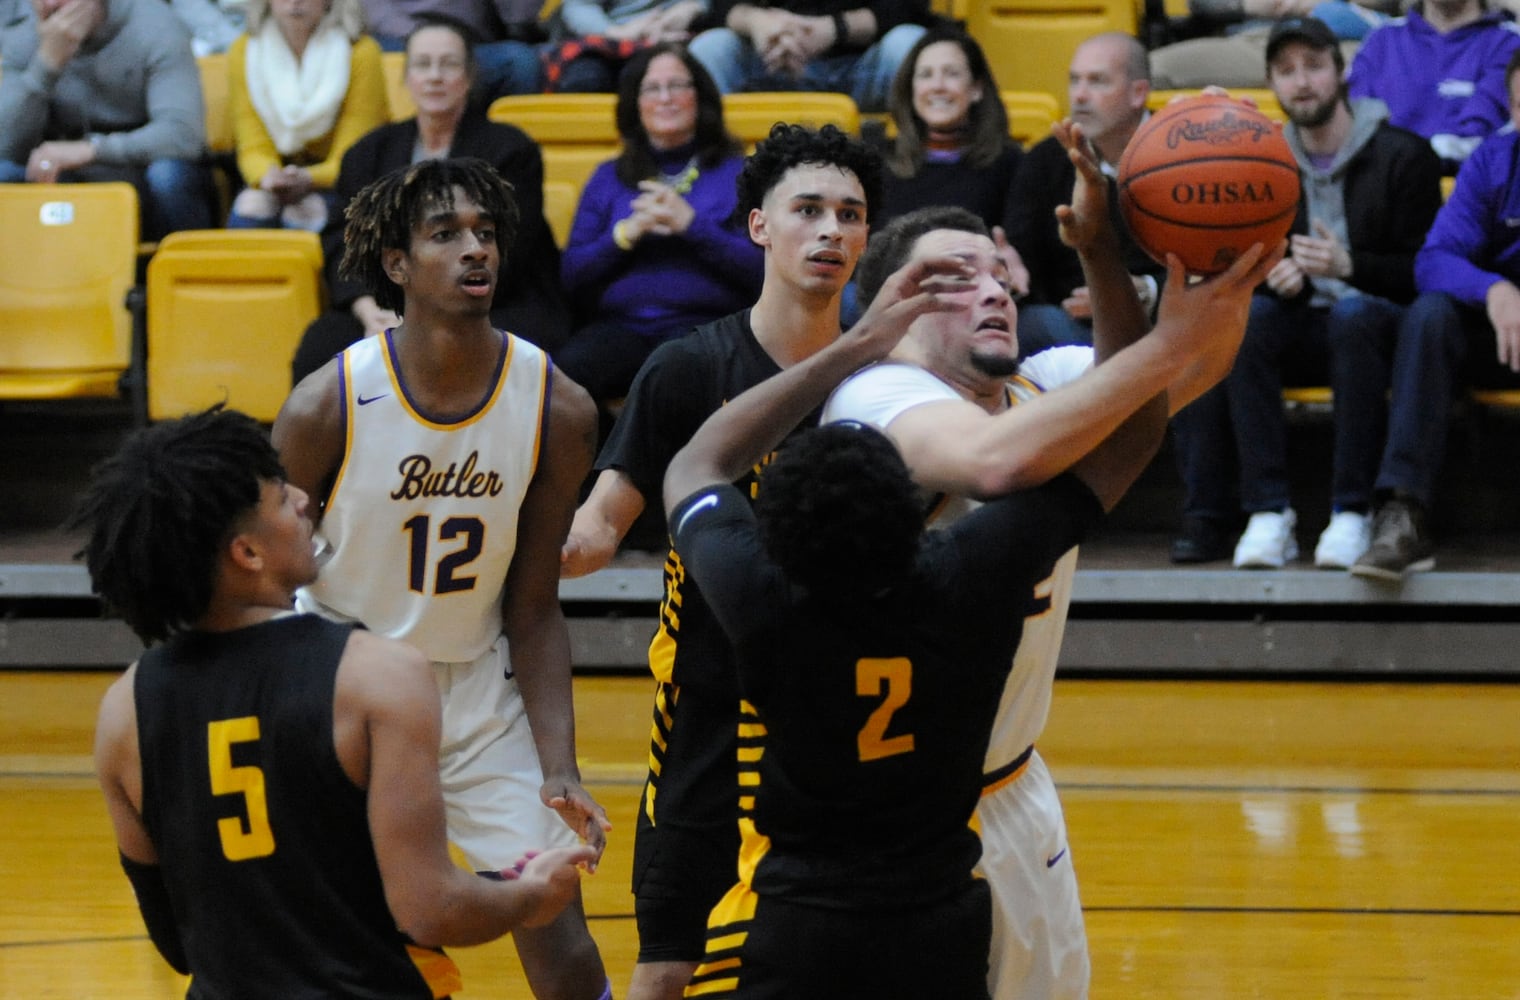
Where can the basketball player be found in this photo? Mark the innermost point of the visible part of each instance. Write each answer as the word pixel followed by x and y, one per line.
pixel 806 196
pixel 870 662
pixel 968 432
pixel 270 776
pixel 449 454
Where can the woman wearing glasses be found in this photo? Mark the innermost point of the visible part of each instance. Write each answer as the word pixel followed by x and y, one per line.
pixel 653 250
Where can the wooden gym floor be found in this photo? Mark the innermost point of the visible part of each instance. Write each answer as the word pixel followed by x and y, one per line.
pixel 1293 841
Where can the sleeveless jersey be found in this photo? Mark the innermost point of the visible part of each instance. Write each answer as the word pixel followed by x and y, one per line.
pixel 879 394
pixel 421 524
pixel 264 840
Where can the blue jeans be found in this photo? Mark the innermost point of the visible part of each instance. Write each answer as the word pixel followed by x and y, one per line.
pixel 1291 343
pixel 508 67
pixel 1349 21
pixel 865 76
pixel 172 194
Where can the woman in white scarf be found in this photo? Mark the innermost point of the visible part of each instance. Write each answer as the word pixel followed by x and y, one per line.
pixel 305 84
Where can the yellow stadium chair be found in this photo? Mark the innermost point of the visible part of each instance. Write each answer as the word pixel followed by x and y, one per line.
pixel 1029 43
pixel 226 309
pixel 393 65
pixel 1448 185
pixel 750 116
pixel 1496 399
pixel 575 132
pixel 1266 101
pixel 214 89
pixel 68 265
pixel 1030 115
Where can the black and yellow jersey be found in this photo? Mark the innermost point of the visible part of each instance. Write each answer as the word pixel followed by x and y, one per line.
pixel 865 721
pixel 691 763
pixel 263 840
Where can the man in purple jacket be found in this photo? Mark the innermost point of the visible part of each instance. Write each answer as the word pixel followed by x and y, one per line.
pixel 1440 70
pixel 1468 274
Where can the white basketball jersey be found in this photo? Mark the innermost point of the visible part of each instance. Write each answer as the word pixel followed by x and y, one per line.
pixel 877 395
pixel 421 524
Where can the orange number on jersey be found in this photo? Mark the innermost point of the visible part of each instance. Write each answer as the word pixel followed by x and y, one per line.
pixel 257 839
pixel 894 678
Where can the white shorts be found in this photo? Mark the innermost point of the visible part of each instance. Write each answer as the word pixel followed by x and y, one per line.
pixel 1039 943
pixel 489 766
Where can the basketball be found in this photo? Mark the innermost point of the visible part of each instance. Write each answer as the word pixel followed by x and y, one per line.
pixel 1204 178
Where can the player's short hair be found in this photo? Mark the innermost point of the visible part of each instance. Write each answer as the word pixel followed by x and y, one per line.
pixel 381 217
pixel 838 512
pixel 159 511
pixel 892 245
pixel 790 146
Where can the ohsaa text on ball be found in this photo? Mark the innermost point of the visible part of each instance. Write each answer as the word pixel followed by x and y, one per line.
pixel 1226 193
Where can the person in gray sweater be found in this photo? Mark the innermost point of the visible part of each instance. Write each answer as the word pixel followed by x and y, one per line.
pixel 105 90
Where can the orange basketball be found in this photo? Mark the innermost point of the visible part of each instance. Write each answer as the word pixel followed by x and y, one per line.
pixel 1204 178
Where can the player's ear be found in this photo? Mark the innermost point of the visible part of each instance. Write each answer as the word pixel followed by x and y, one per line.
pixel 757 231
pixel 394 261
pixel 244 553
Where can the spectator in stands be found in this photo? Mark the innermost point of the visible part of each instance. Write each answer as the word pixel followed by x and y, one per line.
pixel 1440 70
pixel 1333 304
pixel 305 83
pixel 1108 85
pixel 598 37
pixel 213 24
pixel 655 249
pixel 843 45
pixel 439 70
pixel 503 33
pixel 1468 275
pixel 105 90
pixel 1226 39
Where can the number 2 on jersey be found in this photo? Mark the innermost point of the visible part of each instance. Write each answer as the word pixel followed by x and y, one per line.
pixel 446 579
pixel 894 678
pixel 257 841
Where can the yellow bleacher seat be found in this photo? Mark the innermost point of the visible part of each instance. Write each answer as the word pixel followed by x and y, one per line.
pixel 1029 43
pixel 1266 101
pixel 1030 115
pixel 226 309
pixel 750 116
pixel 393 66
pixel 576 133
pixel 67 267
pixel 1499 399
pixel 214 89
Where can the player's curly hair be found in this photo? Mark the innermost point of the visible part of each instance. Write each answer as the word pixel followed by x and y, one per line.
pixel 160 509
pixel 838 512
pixel 790 146
pixel 892 245
pixel 381 216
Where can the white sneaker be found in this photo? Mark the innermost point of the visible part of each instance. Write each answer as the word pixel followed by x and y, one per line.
pixel 1268 540
pixel 1347 536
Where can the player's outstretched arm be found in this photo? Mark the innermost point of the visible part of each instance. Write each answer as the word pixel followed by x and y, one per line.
pixel 532 618
pixel 750 426
pixel 388 722
pixel 308 434
pixel 601 524
pixel 1118 318
pixel 1196 323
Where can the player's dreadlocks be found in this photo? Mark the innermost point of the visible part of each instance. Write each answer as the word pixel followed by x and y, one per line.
pixel 381 217
pixel 839 513
pixel 160 509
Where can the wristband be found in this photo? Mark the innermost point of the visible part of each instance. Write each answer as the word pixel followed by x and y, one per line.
pixel 841 30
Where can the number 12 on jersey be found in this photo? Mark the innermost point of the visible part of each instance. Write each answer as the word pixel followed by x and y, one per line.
pixel 447 578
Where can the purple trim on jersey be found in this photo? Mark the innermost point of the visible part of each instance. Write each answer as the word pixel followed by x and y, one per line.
pixel 501 361
pixel 543 418
pixel 343 417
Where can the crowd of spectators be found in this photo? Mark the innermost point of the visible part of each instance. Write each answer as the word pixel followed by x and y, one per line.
pixel 1391 305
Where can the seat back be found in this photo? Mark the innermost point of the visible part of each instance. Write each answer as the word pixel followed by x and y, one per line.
pixel 215 92
pixel 576 133
pixel 1264 98
pixel 225 316
pixel 1029 43
pixel 1030 115
pixel 750 116
pixel 68 260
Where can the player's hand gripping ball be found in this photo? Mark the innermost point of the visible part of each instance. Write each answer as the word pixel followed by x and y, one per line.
pixel 1204 178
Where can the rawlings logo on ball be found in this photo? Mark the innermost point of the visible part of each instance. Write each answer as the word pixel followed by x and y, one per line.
pixel 1226 129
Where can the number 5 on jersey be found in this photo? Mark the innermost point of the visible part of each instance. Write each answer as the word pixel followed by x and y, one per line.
pixel 257 839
